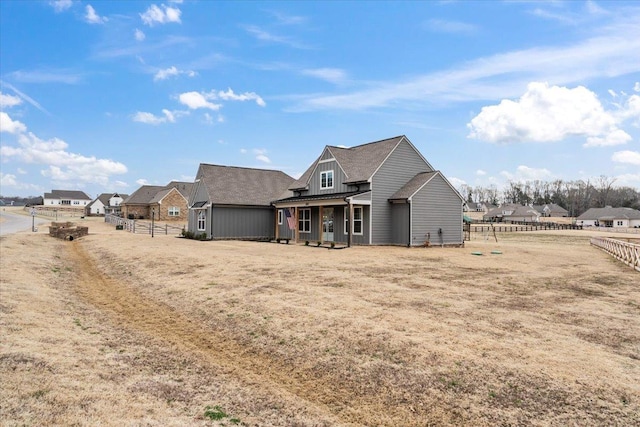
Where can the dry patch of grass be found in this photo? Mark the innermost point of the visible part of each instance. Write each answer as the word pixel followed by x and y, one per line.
pixel 168 331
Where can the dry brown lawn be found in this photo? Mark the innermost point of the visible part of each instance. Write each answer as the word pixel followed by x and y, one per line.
pixel 116 329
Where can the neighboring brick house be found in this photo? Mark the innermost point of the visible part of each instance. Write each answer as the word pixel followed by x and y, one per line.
pixel 166 203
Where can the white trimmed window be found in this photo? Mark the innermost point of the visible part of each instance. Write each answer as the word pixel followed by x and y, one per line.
pixel 326 180
pixel 280 215
pixel 304 220
pixel 201 221
pixel 174 211
pixel 357 220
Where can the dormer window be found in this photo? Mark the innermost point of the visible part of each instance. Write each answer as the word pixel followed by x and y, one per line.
pixel 326 180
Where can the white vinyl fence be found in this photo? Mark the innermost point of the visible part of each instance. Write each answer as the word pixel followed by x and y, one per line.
pixel 138 226
pixel 627 252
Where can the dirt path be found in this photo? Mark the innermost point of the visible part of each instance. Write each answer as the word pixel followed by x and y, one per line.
pixel 133 311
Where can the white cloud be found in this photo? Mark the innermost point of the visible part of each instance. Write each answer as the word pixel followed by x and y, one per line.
pixel 10 126
pixel 480 172
pixel 142 181
pixel 9 100
pixel 547 114
pixel 628 180
pixel 266 36
pixel 151 119
pixel 46 76
pixel 525 173
pixel 24 96
pixel 92 17
pixel 331 75
pixel 261 155
pixel 166 73
pixel 451 27
pixel 62 165
pixel 7 180
pixel 630 157
pixel 636 87
pixel 61 5
pixel 229 95
pixel 456 182
pixel 156 15
pixel 615 137
pixel 139 35
pixel 170 72
pixel 195 100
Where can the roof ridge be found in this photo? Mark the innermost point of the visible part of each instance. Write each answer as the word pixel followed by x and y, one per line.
pixel 243 167
pixel 368 143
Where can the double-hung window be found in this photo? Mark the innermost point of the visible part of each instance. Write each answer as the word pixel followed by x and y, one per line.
pixel 326 180
pixel 304 220
pixel 357 220
pixel 201 221
pixel 174 211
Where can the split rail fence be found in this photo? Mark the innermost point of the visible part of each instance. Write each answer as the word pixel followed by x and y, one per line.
pixel 509 228
pixel 627 252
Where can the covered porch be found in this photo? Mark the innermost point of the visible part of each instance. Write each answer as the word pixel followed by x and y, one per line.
pixel 339 219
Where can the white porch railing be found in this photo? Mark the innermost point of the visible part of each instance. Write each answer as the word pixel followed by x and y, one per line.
pixel 627 252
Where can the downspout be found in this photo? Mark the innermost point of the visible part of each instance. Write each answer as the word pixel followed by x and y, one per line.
pixel 211 222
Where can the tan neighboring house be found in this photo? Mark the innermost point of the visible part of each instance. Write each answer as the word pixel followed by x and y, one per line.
pixel 610 217
pixel 164 203
pixel 512 212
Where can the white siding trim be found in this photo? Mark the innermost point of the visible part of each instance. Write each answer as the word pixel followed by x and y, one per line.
pixel 333 159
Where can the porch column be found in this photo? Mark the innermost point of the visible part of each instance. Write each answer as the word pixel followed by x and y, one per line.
pixel 321 224
pixel 350 235
pixel 297 229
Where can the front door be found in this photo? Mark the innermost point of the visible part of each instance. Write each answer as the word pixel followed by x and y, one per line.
pixel 327 225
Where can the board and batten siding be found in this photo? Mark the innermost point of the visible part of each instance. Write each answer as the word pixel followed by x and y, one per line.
pixel 283 229
pixel 400 223
pixel 338 179
pixel 436 206
pixel 242 222
pixel 403 164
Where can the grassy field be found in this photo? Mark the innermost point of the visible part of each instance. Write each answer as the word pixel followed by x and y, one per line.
pixel 118 329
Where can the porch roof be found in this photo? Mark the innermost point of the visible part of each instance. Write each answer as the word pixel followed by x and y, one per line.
pixel 330 198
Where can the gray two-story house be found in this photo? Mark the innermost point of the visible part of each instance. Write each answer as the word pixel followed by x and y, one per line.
pixel 380 193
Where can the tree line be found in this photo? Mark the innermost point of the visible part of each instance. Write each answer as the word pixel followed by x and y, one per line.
pixel 575 196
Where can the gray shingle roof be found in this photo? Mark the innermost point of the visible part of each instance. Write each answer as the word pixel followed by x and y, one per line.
pixel 359 163
pixel 67 194
pixel 183 187
pixel 231 185
pixel 610 213
pixel 414 184
pixel 143 195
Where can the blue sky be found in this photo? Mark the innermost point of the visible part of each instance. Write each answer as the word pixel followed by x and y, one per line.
pixel 105 96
